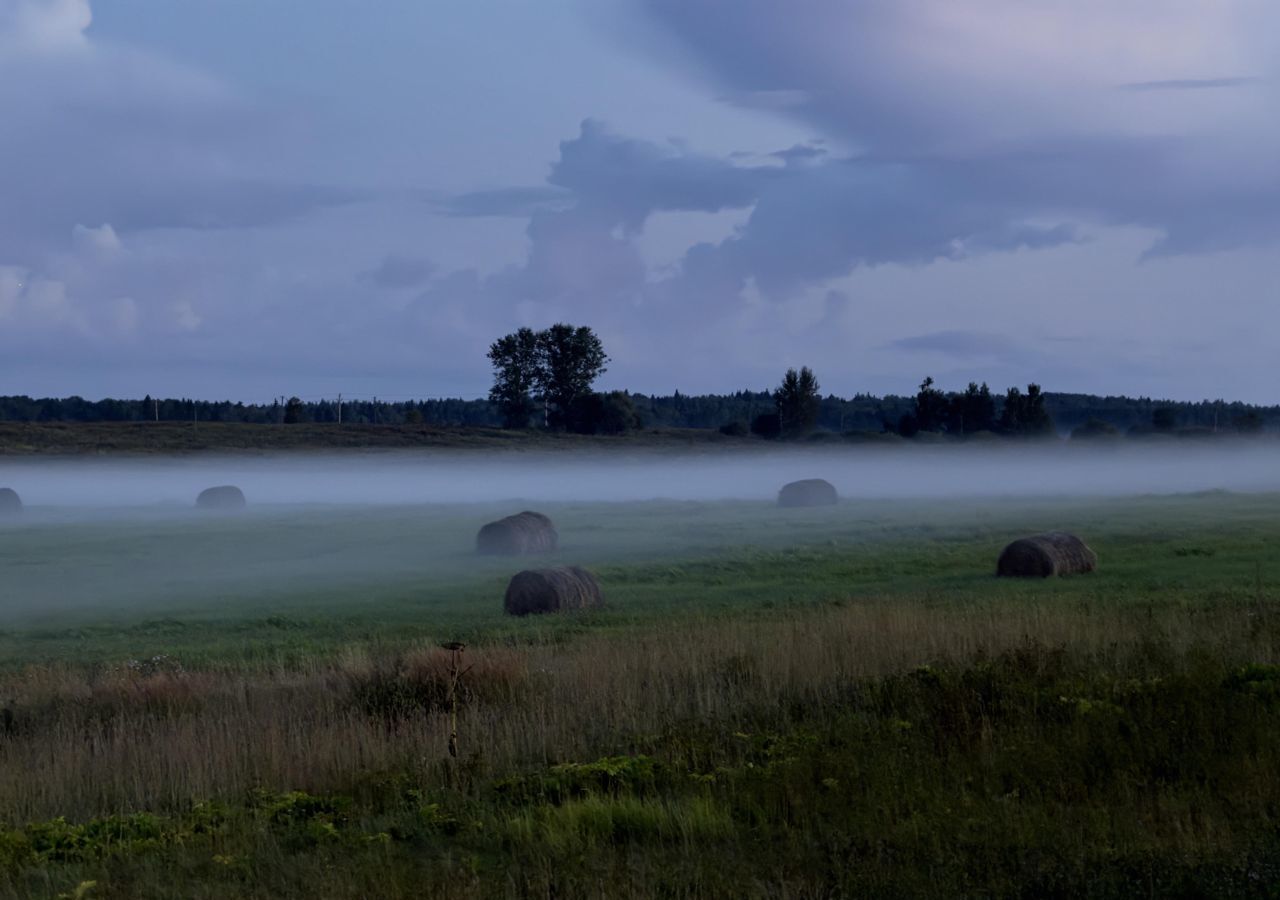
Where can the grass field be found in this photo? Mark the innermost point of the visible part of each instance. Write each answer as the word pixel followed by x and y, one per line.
pixel 801 703
pixel 20 439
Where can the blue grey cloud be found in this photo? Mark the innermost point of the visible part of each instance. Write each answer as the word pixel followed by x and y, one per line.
pixel 1190 84
pixel 968 133
pixel 399 271
pixel 514 202
pixel 843 174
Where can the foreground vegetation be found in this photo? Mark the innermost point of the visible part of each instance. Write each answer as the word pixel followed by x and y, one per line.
pixel 830 703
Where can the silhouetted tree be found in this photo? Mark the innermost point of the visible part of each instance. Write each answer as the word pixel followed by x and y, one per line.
pixel 1024 414
pixel 570 359
pixel 293 411
pixel 517 368
pixel 972 411
pixel 611 413
pixel 931 407
pixel 766 425
pixel 798 402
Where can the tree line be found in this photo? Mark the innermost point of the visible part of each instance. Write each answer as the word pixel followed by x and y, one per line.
pixel 545 379
pixel 734 412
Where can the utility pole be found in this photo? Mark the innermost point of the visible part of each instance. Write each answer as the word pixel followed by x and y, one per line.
pixel 156 401
pixel 339 409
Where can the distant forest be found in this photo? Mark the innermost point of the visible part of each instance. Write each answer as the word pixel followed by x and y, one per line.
pixel 862 412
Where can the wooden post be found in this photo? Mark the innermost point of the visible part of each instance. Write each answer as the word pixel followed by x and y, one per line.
pixel 455 672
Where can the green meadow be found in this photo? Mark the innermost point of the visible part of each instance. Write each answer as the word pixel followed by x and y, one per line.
pixel 773 703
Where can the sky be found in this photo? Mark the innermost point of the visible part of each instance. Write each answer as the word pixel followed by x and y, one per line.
pixel 231 199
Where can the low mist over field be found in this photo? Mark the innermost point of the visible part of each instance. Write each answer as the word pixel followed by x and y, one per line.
pixel 884 473
pixel 121 538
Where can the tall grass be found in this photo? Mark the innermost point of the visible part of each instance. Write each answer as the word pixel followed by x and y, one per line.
pixel 943 736
pixel 123 740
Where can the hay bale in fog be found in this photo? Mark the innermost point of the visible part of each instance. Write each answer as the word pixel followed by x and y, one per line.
pixel 1042 555
pixel 552 590
pixel 523 533
pixel 809 492
pixel 10 502
pixel 224 496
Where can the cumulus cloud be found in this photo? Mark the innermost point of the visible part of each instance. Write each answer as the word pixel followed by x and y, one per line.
pixel 102 239
pixel 926 141
pixel 185 316
pixel 1018 103
pixel 913 75
pixel 811 220
pixel 96 132
pixel 970 130
pixel 43 25
pixel 30 301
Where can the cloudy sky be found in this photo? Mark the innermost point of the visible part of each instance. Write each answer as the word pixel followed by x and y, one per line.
pixel 242 199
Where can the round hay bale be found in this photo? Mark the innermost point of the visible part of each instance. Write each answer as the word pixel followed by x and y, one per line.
pixel 809 492
pixel 224 496
pixel 1043 555
pixel 10 502
pixel 552 590
pixel 518 535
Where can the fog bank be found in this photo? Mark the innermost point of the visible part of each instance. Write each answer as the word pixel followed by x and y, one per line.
pixel 908 472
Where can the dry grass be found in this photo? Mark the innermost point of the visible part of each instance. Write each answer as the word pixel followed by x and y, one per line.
pixel 131 738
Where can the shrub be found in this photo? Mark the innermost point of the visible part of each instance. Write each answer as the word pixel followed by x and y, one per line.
pixel 766 425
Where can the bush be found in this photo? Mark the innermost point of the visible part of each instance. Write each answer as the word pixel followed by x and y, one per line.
pixel 766 425
pixel 611 413
pixel 737 428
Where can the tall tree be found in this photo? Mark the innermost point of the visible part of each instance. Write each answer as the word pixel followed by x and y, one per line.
pixel 974 410
pixel 1024 414
pixel 931 407
pixel 798 402
pixel 294 411
pixel 517 367
pixel 570 359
